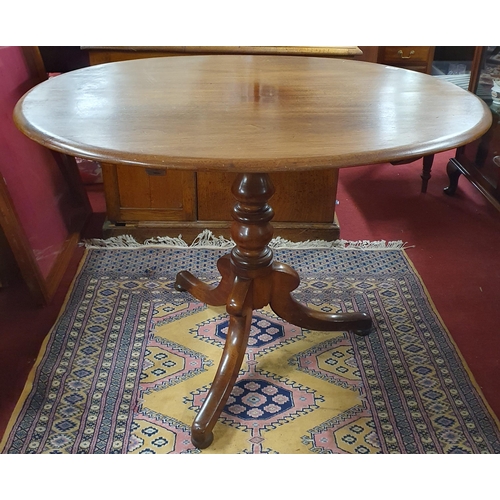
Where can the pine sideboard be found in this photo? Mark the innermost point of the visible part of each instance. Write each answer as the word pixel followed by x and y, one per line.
pixel 148 202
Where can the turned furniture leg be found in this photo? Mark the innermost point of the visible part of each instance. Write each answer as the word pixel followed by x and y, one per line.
pixel 453 174
pixel 426 172
pixel 245 286
pixel 251 280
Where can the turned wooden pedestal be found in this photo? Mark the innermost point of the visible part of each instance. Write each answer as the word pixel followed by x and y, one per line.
pixel 252 279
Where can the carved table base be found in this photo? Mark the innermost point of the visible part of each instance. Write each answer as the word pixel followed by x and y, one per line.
pixel 251 279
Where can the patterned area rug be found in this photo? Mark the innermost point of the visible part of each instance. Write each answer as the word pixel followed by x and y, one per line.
pixel 130 360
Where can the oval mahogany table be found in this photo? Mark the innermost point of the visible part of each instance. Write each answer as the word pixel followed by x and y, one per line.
pixel 252 115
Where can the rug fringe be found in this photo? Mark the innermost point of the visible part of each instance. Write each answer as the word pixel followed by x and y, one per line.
pixel 206 239
pixel 279 242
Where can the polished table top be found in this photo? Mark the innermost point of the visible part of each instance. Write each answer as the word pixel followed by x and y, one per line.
pixel 249 113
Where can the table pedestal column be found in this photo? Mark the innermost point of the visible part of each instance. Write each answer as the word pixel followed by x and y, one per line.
pixel 251 279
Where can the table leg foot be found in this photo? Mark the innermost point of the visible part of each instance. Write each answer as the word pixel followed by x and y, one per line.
pixel 362 333
pixel 213 295
pixel 183 281
pixel 200 438
pixel 453 175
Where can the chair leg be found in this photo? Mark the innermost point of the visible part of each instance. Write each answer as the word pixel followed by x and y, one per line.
pixel 453 175
pixel 426 171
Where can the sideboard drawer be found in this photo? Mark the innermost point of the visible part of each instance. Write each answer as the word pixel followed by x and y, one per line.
pixel 405 54
pixel 416 57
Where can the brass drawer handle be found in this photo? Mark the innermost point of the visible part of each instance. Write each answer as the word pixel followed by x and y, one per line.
pixel 400 54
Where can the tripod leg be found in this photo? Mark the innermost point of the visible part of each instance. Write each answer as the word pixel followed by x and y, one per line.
pixel 287 307
pixel 209 294
pixel 229 366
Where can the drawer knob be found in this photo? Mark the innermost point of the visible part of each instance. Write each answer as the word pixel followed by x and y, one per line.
pixel 400 54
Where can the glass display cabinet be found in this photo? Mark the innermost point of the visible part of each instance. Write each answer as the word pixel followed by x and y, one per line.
pixel 479 161
pixel 453 64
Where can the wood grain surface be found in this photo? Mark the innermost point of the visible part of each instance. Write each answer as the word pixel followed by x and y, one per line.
pixel 343 51
pixel 249 113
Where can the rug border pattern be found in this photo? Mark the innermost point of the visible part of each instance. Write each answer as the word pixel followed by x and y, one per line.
pixel 451 370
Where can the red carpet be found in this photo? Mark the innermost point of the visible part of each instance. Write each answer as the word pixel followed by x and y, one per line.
pixel 24 325
pixel 455 250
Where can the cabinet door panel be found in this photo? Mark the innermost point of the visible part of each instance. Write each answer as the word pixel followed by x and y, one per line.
pixel 143 194
pixel 133 187
pixel 150 188
pixel 299 197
